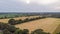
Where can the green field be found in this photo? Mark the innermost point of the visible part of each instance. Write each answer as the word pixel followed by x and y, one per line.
pixel 12 15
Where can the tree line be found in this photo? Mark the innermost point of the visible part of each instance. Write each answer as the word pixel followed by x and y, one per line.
pixel 20 21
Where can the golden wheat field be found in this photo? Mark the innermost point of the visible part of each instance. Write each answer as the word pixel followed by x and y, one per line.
pixel 50 25
pixel 47 24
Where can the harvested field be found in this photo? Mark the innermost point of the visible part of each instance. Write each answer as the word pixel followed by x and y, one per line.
pixel 57 30
pixel 47 24
pixel 6 20
pixel 50 25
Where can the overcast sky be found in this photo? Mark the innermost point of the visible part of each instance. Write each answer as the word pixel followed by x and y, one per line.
pixel 29 5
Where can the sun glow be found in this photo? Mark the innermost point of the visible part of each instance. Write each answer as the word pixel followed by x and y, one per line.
pixel 28 1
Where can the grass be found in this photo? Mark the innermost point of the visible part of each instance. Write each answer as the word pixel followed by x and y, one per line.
pixel 8 15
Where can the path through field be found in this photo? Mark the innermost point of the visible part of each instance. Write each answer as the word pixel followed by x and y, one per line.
pixel 47 24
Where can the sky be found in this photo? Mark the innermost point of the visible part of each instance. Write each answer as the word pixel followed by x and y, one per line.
pixel 29 5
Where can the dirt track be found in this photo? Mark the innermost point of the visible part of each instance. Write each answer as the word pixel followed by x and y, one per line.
pixel 48 25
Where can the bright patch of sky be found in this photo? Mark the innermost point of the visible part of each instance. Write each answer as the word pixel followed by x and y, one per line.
pixel 29 5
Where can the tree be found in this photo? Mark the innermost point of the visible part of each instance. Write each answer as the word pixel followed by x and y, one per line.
pixel 1 17
pixel 39 31
pixel 5 31
pixel 18 31
pixel 25 31
pixel 11 28
pixel 12 22
pixel 26 20
pixel 5 17
pixel 16 16
pixel 2 26
pixel 19 21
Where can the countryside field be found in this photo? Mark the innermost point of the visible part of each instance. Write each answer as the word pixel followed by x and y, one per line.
pixel 29 16
pixel 47 24
pixel 50 25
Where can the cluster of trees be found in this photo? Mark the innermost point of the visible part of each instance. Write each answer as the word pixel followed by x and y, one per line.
pixel 5 17
pixel 6 28
pixel 13 21
pixel 39 31
pixel 10 29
